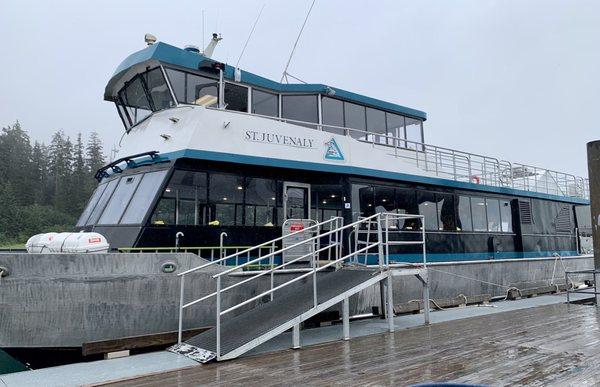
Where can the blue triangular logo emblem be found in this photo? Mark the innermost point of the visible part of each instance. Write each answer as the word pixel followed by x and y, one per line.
pixel 333 151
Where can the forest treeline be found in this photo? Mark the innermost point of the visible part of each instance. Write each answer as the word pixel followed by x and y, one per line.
pixel 44 187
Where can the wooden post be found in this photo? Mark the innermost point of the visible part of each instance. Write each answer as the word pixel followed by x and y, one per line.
pixel 593 153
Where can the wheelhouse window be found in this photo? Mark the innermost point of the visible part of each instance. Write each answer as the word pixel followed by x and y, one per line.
pixel 236 98
pixel 396 128
pixel 91 204
pixel 143 94
pixel 264 103
pixel 300 108
pixel 376 124
pixel 106 195
pixel 193 88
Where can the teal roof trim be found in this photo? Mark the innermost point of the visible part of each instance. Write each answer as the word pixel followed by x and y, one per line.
pixel 168 54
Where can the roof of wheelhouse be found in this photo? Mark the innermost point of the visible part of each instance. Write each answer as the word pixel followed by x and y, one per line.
pixel 168 54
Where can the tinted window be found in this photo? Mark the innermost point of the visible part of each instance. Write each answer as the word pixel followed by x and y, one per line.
pixel 266 104
pixel 91 204
pixel 333 114
pixel 143 197
pixel 236 97
pixel 135 100
pixel 406 203
pixel 198 87
pixel 427 208
pixel 158 89
pixel 177 80
pixel 110 187
pixel 326 201
pixel 445 210
pixel 260 202
pixel 184 199
pixel 120 199
pixel 354 117
pixel 464 222
pixel 300 107
pixel 376 124
pixel 362 201
pixel 506 216
pixel 226 195
pixel 493 214
pixel 479 214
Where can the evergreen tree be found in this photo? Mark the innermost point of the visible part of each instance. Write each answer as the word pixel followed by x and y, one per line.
pixel 95 158
pixel 61 161
pixel 16 166
pixel 80 177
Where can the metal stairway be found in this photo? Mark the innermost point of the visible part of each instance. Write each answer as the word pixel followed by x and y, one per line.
pixel 289 305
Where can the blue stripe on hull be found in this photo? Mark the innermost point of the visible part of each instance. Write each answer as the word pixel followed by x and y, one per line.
pixel 456 257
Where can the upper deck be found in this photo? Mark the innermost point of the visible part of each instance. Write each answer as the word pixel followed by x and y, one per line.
pixel 161 76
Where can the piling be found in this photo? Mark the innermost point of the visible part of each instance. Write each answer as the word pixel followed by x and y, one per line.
pixel 593 153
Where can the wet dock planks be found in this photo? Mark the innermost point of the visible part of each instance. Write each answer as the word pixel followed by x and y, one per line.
pixel 547 345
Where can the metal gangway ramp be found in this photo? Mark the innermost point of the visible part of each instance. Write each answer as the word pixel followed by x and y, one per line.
pixel 297 299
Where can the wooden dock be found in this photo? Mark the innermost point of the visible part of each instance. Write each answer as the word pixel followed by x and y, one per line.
pixel 547 345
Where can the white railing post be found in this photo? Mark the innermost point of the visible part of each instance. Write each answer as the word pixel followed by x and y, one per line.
pixel 380 245
pixel 218 321
pixel 180 327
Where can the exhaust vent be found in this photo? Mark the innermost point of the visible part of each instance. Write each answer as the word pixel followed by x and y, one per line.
pixel 525 212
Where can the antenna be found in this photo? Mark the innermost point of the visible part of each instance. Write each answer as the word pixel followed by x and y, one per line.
pixel 285 73
pixel 250 35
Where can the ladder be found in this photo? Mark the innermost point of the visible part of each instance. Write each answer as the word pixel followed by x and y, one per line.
pixel 263 315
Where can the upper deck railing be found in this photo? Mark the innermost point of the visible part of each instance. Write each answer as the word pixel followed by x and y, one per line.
pixel 461 166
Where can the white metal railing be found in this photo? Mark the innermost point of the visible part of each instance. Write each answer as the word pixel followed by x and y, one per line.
pixel 210 253
pixel 462 166
pixel 381 223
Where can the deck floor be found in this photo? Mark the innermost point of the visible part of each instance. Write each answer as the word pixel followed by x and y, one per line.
pixel 547 345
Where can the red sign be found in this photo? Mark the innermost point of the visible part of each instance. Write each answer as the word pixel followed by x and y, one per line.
pixel 296 227
pixel 94 240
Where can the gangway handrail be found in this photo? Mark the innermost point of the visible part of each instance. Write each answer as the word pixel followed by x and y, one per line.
pixel 262 245
pixel 294 245
pixel 281 286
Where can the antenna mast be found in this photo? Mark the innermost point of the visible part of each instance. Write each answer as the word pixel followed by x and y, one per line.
pixel 285 73
pixel 250 35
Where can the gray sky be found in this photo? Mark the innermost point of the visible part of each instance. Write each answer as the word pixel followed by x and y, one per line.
pixel 514 79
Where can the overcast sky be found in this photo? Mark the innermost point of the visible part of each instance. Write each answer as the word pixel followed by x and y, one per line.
pixel 514 79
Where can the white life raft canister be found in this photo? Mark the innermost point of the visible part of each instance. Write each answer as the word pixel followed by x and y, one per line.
pixel 39 243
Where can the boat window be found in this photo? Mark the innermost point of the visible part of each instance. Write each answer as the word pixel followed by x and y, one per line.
pixel 428 208
pixel 332 114
pixel 91 204
pixel 260 202
pixel 414 133
pixel 479 214
pixel 376 124
pixel 119 200
pixel 143 94
pixel 493 214
pixel 135 101
pixel 395 127
pixel 266 104
pixel 326 202
pixel 226 197
pixel 406 203
pixel 183 201
pixel 362 201
pixel 354 117
pixel 177 80
pixel 464 221
pixel 236 98
pixel 198 87
pixel 110 187
pixel 144 195
pixel 445 212
pixel 506 216
pixel 160 94
pixel 300 108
